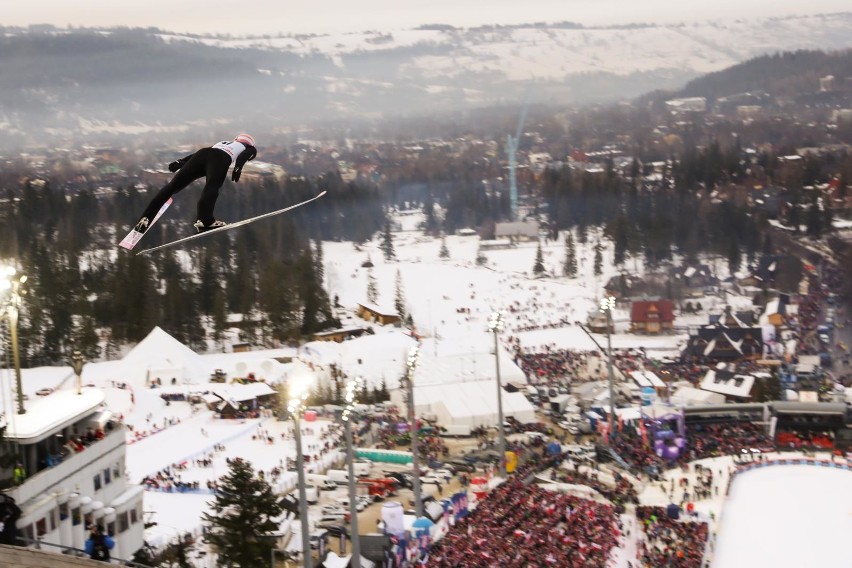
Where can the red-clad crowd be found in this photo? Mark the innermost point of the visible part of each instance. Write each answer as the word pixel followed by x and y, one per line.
pixel 623 493
pixel 639 455
pixel 669 542
pixel 712 440
pixel 520 526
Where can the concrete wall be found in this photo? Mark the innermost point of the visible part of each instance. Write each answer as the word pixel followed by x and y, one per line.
pixel 16 557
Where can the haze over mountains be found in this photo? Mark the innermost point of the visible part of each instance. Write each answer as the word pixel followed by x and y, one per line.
pixel 59 83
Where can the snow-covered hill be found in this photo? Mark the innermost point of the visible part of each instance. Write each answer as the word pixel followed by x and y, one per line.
pixel 111 82
pixel 554 53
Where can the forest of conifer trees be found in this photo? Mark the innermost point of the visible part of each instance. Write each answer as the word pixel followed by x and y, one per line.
pixel 82 289
pixel 85 292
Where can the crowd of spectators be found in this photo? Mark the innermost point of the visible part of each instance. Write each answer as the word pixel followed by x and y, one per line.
pixel 519 526
pixel 168 479
pixel 392 430
pixel 551 365
pixel 639 455
pixel 620 494
pixel 670 542
pixel 134 434
pixel 76 443
pixel 713 440
pixel 800 440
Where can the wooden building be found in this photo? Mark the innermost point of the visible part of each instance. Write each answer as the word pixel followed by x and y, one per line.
pixel 651 316
pixel 383 316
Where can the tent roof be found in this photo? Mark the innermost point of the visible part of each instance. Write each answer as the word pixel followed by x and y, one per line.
pixel 239 392
pixel 159 346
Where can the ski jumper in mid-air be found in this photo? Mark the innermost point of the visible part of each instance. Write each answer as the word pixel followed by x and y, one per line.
pixel 211 163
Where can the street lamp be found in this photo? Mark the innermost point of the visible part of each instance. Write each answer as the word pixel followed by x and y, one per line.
pixel 411 364
pixel 352 388
pixel 298 393
pixel 10 302
pixel 495 326
pixel 607 305
pixel 77 361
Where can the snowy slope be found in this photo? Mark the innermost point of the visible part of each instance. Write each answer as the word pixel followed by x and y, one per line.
pixel 555 53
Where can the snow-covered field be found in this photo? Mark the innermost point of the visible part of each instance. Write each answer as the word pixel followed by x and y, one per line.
pixel 556 53
pixel 450 301
pixel 787 517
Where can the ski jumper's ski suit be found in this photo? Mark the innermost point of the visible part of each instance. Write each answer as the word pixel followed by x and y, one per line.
pixel 211 163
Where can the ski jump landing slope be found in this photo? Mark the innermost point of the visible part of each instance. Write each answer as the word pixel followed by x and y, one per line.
pixel 787 516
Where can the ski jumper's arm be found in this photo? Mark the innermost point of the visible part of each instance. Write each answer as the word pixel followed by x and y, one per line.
pixel 250 153
pixel 177 164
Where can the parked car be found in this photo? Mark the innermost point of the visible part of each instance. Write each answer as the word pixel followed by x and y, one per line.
pixel 445 474
pixel 333 509
pixel 403 479
pixel 334 518
pixel 463 466
pixel 433 479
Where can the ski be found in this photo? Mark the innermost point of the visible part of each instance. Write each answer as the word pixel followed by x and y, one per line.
pixel 230 226
pixel 134 236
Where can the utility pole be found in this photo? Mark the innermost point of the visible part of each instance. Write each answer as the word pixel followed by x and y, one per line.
pixel 495 325
pixel 352 388
pixel 412 421
pixel 607 305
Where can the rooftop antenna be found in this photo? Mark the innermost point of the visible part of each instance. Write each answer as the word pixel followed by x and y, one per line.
pixel 511 153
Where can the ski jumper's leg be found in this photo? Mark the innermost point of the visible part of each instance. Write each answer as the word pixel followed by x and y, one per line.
pixel 217 169
pixel 191 171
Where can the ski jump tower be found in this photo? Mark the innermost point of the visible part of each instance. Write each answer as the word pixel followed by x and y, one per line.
pixel 511 153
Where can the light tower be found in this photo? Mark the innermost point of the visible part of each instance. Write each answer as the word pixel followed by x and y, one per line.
pixel 408 381
pixel 298 395
pixel 495 326
pixel 511 154
pixel 607 305
pixel 352 388
pixel 10 303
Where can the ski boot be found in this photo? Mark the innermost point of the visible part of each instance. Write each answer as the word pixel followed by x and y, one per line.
pixel 142 225
pixel 200 227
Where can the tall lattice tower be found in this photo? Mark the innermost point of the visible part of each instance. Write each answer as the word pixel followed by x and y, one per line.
pixel 511 154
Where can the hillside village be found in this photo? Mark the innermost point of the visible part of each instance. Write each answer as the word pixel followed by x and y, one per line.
pixel 725 258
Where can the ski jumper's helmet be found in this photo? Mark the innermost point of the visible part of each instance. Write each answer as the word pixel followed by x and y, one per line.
pixel 244 139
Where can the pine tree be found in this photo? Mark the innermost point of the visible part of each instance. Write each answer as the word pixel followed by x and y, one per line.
pixel 316 306
pixel 372 287
pixel 598 263
pixel 242 517
pixel 733 256
pixel 619 239
pixel 538 266
pixel 582 233
pixel 399 297
pixel 383 391
pixel 220 315
pixel 569 268
pixel 320 263
pixel 444 252
pixel 430 226
pixel 387 243
pixel 86 338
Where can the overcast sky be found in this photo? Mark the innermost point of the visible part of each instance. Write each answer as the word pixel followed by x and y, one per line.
pixel 242 17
